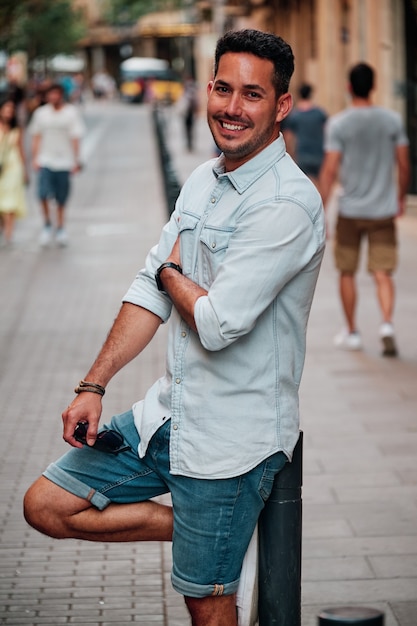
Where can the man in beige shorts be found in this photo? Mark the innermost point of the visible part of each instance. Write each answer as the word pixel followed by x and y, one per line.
pixel 366 145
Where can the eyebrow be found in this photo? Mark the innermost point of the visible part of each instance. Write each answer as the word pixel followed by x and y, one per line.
pixel 254 87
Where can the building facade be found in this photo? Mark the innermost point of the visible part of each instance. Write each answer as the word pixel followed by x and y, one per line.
pixel 327 36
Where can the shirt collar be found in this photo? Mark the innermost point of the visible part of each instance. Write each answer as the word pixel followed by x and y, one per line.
pixel 243 177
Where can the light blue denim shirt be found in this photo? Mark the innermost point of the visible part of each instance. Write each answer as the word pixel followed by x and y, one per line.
pixel 254 239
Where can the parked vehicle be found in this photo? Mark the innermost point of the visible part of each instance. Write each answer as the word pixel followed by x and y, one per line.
pixel 143 78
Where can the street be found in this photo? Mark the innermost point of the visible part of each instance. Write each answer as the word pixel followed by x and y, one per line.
pixel 359 410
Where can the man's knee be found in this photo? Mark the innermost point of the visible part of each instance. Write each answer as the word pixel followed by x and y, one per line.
pixel 382 275
pixel 36 507
pixel 46 507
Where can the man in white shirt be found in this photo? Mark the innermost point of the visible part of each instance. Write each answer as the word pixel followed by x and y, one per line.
pixel 56 130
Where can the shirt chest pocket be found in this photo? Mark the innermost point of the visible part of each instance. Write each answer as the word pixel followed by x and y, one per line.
pixel 203 247
pixel 214 243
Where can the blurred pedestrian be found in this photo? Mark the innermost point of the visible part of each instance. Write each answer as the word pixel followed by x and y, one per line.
pixel 103 85
pixel 56 130
pixel 303 132
pixel 77 96
pixel 13 174
pixel 235 269
pixel 366 144
pixel 190 104
pixel 17 94
pixel 68 85
pixel 36 95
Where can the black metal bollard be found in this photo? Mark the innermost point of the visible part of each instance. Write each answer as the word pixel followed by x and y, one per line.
pixel 280 530
pixel 355 616
pixel 172 186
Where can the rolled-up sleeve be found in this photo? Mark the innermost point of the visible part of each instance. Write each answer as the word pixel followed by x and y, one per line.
pixel 271 244
pixel 143 290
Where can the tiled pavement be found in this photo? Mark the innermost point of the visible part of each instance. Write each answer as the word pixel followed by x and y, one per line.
pixel 359 410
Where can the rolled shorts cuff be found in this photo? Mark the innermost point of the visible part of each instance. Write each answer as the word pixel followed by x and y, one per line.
pixel 193 590
pixel 56 475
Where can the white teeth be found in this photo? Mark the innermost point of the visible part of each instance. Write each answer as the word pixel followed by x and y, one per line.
pixel 232 126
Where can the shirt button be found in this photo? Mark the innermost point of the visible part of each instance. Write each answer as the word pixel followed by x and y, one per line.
pixel 213 245
pixel 175 427
pixel 183 334
pixel 178 380
pixel 213 200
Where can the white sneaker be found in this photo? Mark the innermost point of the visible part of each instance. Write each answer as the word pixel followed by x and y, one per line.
pixel 45 238
pixel 61 237
pixel 247 592
pixel 386 332
pixel 348 341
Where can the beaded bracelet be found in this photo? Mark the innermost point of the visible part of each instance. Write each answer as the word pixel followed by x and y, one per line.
pixel 84 385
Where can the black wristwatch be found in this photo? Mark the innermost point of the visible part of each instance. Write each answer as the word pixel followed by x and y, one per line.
pixel 174 266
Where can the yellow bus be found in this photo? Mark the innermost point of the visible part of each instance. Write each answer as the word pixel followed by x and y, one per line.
pixel 149 79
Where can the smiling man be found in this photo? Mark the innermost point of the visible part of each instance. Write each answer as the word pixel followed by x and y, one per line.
pixel 235 271
pixel 243 110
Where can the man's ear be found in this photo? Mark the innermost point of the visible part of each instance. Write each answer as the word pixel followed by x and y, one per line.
pixel 210 87
pixel 284 106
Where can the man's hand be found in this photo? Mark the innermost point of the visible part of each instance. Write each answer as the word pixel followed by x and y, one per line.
pixel 131 332
pixel 86 407
pixel 77 168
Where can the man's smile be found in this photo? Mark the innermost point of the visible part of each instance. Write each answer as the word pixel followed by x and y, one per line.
pixel 232 126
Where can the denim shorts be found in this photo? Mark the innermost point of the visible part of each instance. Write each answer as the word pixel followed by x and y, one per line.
pixel 54 184
pixel 213 519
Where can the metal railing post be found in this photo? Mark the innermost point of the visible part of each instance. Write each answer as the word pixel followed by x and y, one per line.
pixel 280 531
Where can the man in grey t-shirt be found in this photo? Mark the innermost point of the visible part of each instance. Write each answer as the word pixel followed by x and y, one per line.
pixel 367 147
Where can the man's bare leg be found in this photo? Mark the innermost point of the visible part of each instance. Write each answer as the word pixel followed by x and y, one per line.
pixel 46 211
pixel 385 293
pixel 55 512
pixel 213 610
pixel 60 214
pixel 348 297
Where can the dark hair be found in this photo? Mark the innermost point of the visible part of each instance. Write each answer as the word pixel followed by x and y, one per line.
pixel 305 91
pixel 361 78
pixel 13 121
pixel 264 46
pixel 55 87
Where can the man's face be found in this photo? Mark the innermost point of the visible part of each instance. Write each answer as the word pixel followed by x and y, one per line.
pixel 243 110
pixel 55 97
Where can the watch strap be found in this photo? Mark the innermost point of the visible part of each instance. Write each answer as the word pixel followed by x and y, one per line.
pixel 166 265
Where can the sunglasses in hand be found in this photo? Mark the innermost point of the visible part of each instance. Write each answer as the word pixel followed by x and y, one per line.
pixel 107 440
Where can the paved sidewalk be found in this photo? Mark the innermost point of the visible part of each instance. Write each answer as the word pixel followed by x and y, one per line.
pixel 57 306
pixel 358 409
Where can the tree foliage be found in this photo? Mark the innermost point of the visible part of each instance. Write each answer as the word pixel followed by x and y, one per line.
pixel 42 28
pixel 8 11
pixel 123 12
